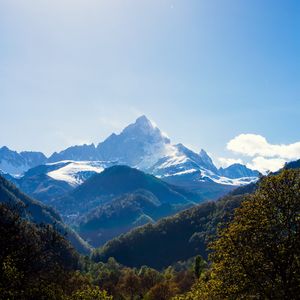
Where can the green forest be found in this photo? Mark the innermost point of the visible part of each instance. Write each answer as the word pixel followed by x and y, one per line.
pixel 249 249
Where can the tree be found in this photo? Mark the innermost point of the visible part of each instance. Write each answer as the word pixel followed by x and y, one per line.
pixel 258 255
pixel 199 265
pixel 184 280
pixel 90 293
pixel 130 283
pixel 148 277
pixel 36 262
pixel 162 291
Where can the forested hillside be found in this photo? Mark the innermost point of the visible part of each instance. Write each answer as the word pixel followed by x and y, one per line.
pixel 39 213
pixel 170 239
pixel 116 181
pixel 181 236
pixel 38 263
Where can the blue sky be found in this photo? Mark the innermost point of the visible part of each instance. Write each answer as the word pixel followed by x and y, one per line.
pixel 204 71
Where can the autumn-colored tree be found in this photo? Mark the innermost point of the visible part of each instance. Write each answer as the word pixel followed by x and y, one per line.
pixel 148 278
pixel 106 275
pixel 184 280
pixel 90 293
pixel 130 283
pixel 162 291
pixel 258 255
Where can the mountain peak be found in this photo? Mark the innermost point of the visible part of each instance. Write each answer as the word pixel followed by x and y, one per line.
pixel 145 124
pixel 5 149
pixel 144 127
pixel 203 153
pixel 140 144
pixel 143 120
pixel 238 170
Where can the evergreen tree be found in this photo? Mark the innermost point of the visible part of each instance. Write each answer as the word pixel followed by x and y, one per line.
pixel 199 265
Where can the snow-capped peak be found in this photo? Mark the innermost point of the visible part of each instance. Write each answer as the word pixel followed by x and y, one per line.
pixel 140 145
pixel 144 121
pixel 143 127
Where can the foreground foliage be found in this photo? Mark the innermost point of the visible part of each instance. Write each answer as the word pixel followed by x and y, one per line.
pixel 144 283
pixel 36 262
pixel 258 255
pixel 37 212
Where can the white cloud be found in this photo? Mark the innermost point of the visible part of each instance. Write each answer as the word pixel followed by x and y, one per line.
pixel 256 145
pixel 266 164
pixel 226 162
pixel 264 155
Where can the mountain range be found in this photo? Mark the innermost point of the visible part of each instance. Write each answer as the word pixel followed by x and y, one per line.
pixel 16 163
pixel 132 191
pixel 119 199
pixel 181 236
pixel 140 145
pixel 128 180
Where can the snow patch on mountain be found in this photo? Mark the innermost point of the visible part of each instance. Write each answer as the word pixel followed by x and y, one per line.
pixel 228 181
pixel 76 172
pixel 190 171
pixel 183 162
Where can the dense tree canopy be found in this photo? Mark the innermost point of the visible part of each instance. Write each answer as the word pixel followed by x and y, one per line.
pixel 36 262
pixel 258 255
pixel 179 237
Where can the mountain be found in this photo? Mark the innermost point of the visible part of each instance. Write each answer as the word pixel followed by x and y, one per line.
pixel 171 239
pixel 139 145
pixel 179 237
pixel 76 172
pixel 116 181
pixel 8 176
pixel 252 187
pixel 38 213
pixel 121 215
pixel 16 163
pixel 38 184
pixel 144 146
pixel 76 153
pixel 52 180
pixel 292 165
pixel 236 171
pixel 207 161
pixel 183 163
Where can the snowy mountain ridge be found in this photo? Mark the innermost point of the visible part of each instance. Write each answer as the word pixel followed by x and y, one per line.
pixel 140 145
pixel 16 163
